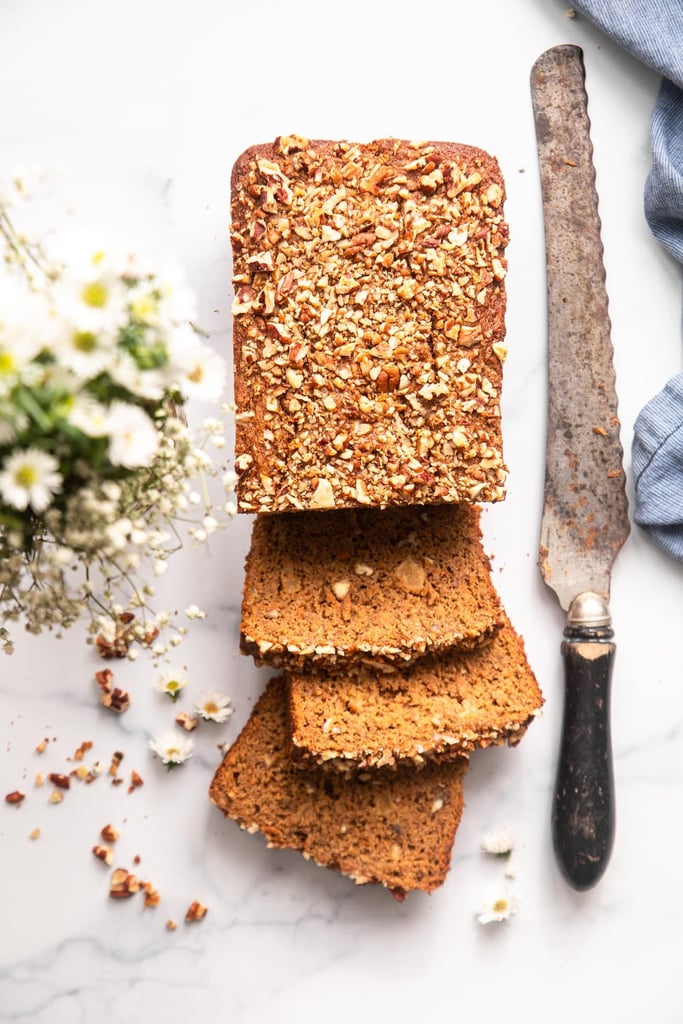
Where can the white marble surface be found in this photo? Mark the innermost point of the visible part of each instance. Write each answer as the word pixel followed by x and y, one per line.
pixel 142 108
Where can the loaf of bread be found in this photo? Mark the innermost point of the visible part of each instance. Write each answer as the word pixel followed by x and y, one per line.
pixel 392 827
pixel 368 324
pixel 366 584
pixel 441 707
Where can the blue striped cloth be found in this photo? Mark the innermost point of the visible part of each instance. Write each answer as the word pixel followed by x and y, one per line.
pixel 652 31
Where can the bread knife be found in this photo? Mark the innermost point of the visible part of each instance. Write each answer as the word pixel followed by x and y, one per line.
pixel 585 512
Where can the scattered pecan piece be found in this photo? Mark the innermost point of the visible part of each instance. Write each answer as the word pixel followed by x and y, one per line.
pixel 42 745
pixel 116 700
pixel 15 797
pixel 82 750
pixel 60 781
pixel 152 897
pixel 105 679
pixel 195 912
pixel 109 833
pixel 135 781
pixel 116 759
pixel 123 884
pixel 186 721
pixel 104 853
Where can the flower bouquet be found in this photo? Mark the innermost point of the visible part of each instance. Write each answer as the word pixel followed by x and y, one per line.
pixel 99 470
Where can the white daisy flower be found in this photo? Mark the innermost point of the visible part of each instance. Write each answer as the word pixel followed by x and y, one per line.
pixel 85 346
pixel 88 415
pixel 498 909
pixel 171 683
pixel 144 383
pixel 93 292
pixel 196 370
pixel 30 478
pixel 499 841
pixel 25 329
pixel 133 439
pixel 173 748
pixel 213 706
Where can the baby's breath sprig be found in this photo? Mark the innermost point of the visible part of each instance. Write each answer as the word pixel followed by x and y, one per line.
pixel 101 476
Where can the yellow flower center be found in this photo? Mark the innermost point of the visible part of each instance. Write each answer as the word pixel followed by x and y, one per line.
pixel 84 341
pixel 172 685
pixel 7 362
pixel 144 307
pixel 500 906
pixel 196 375
pixel 95 294
pixel 210 708
pixel 25 476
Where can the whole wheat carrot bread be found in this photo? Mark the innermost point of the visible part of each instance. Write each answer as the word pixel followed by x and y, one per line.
pixel 439 708
pixel 368 584
pixel 391 827
pixel 368 324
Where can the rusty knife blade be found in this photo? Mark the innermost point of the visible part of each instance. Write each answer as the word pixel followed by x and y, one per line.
pixel 585 516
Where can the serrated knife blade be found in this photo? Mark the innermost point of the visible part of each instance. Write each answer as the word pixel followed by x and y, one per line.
pixel 585 513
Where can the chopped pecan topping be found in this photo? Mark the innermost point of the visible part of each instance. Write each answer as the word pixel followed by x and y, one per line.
pixel 363 275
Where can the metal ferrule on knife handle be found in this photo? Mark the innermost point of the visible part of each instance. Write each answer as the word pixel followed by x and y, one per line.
pixel 583 809
pixel 585 512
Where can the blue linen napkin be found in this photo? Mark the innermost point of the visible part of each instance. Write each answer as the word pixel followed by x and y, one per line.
pixel 652 31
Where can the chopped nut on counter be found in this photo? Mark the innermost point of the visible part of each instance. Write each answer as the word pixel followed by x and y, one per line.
pixel 116 759
pixel 56 796
pixel 109 833
pixel 171 925
pixel 116 700
pixel 135 781
pixel 152 897
pixel 42 745
pixel 34 833
pixel 15 797
pixel 195 912
pixel 105 679
pixel 123 884
pixel 82 750
pixel 61 781
pixel 104 853
pixel 186 721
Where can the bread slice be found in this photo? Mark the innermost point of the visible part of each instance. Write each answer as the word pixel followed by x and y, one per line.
pixel 395 828
pixel 366 584
pixel 368 324
pixel 439 708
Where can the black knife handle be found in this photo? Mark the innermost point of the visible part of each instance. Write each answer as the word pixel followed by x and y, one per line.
pixel 583 809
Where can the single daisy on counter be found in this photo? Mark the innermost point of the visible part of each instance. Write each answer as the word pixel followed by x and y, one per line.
pixel 173 748
pixel 30 478
pixel 213 707
pixel 499 842
pixel 498 909
pixel 171 683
